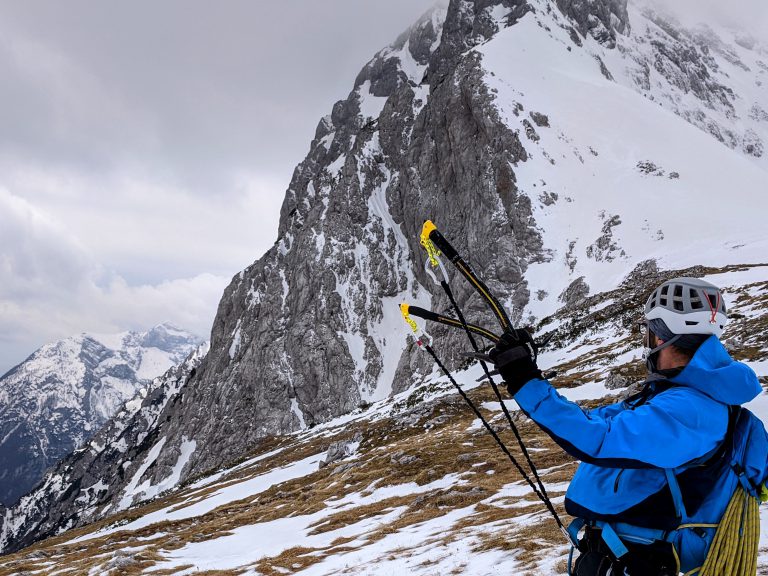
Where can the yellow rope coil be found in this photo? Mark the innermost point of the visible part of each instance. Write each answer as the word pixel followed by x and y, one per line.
pixel 734 549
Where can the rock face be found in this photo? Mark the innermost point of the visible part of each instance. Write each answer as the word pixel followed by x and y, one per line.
pixel 437 126
pixel 62 394
pixel 601 19
pixel 309 332
pixel 691 72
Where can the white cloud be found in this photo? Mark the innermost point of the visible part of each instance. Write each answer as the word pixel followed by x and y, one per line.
pixel 51 288
pixel 187 302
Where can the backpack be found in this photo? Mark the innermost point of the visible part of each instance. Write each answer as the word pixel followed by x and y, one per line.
pixel 739 460
pixel 735 478
pixel 715 500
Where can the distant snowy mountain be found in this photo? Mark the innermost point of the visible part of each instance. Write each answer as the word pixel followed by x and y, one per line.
pixel 64 392
pixel 567 148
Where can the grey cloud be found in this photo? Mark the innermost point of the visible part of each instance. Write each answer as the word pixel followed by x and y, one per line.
pixel 180 87
pixel 38 256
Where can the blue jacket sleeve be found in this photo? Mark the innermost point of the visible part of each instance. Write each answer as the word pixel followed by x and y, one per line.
pixel 671 429
pixel 606 411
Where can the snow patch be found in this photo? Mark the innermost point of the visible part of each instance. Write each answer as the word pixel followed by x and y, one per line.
pixel 236 339
pixel 154 362
pixel 370 105
pixel 226 494
pixel 131 489
pixel 297 411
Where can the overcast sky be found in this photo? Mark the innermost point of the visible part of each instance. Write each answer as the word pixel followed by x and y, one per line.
pixel 145 146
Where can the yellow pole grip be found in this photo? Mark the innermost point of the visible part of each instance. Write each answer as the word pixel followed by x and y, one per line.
pixel 427 229
pixel 404 310
pixel 432 252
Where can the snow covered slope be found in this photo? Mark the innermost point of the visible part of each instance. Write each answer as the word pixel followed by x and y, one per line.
pixel 64 392
pixel 103 475
pixel 625 167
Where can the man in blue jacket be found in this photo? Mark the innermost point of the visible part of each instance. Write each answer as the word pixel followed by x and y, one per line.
pixel 634 491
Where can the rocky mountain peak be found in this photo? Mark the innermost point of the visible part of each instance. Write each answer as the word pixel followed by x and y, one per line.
pixel 65 391
pixel 468 24
pixel 601 19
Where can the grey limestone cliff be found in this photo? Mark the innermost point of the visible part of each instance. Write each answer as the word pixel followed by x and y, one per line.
pixel 311 330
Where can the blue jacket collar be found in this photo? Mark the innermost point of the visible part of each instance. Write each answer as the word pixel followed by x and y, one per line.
pixel 713 372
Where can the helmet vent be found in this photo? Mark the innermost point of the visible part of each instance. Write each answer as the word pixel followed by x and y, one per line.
pixel 690 323
pixel 678 305
pixel 678 291
pixel 664 290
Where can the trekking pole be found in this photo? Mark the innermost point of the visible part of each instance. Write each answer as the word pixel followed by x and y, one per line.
pixel 423 340
pixel 448 321
pixel 434 243
pixel 430 234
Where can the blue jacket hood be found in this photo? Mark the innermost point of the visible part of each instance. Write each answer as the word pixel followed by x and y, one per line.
pixel 713 372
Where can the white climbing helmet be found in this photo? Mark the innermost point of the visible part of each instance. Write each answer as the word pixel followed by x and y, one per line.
pixel 688 306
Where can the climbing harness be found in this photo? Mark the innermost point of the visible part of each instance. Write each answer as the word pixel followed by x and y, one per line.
pixel 733 551
pixel 435 245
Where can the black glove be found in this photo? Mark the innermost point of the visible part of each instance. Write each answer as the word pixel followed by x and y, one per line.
pixel 514 356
